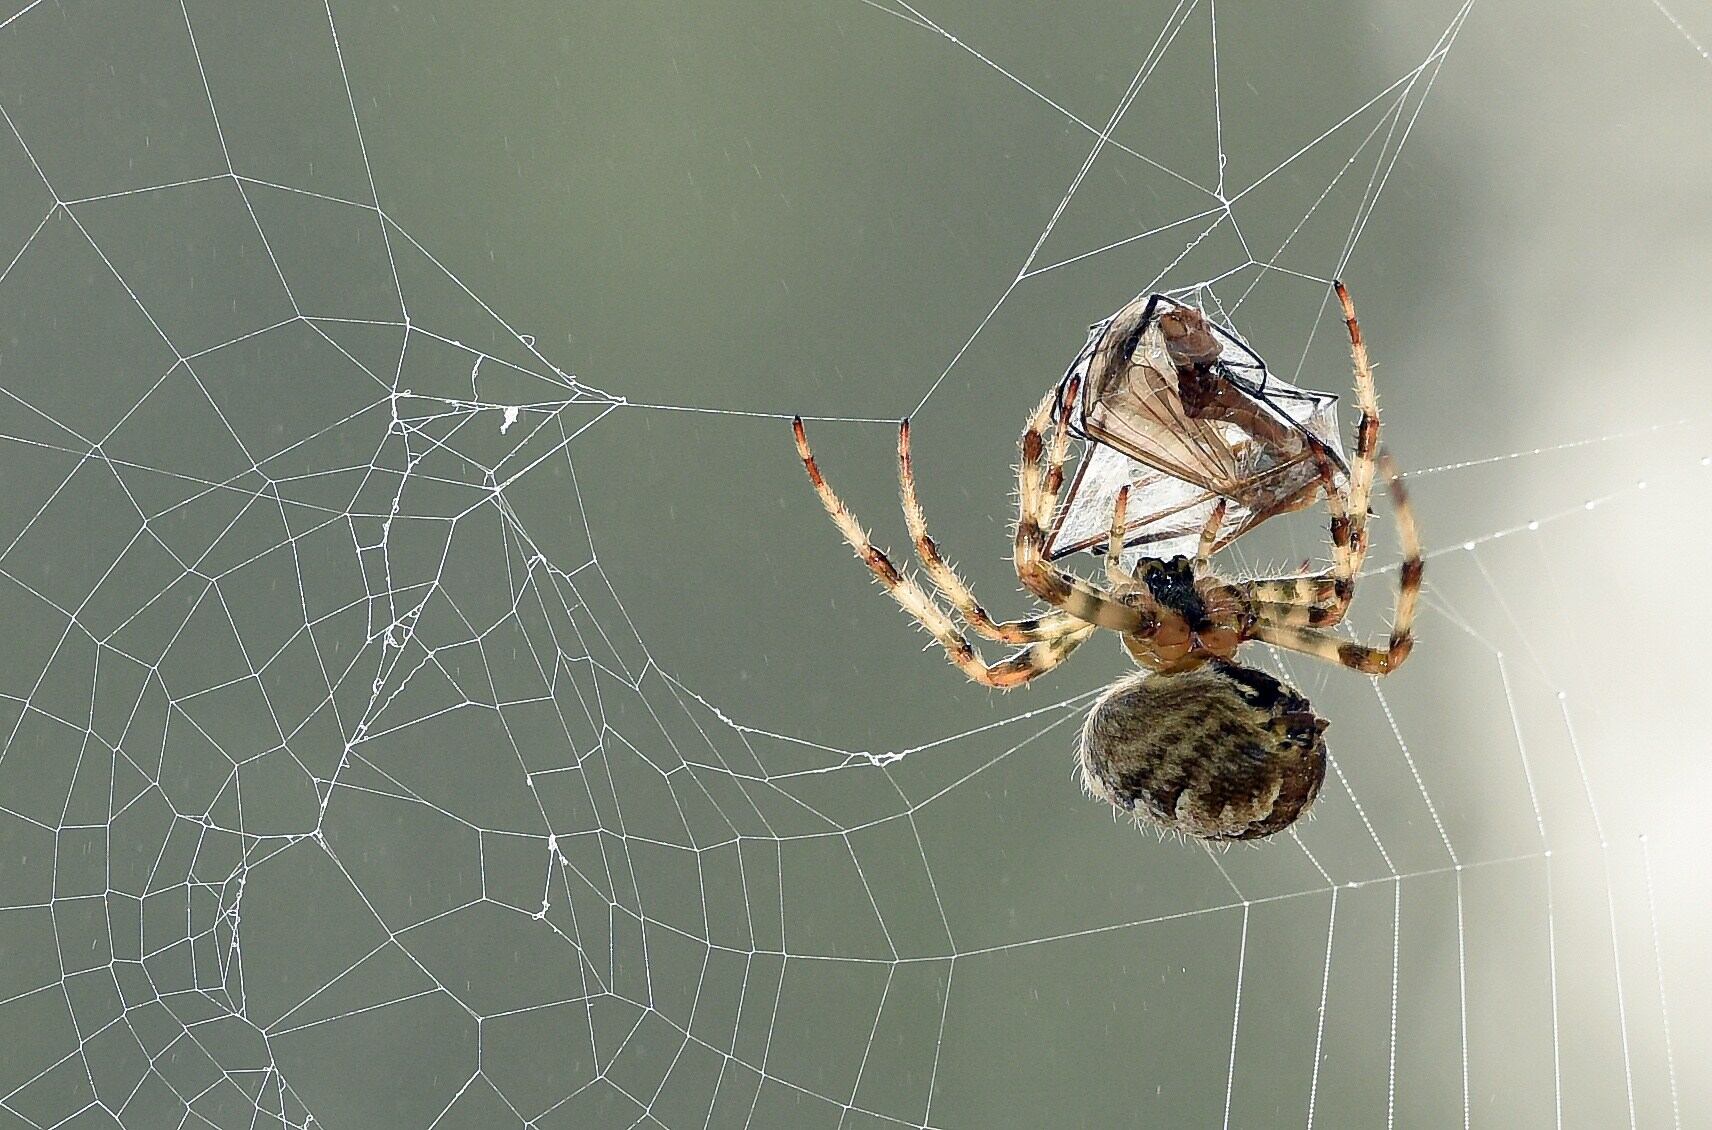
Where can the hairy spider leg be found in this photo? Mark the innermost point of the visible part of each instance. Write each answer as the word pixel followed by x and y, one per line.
pixel 1114 541
pixel 1012 671
pixel 1209 537
pixel 1115 571
pixel 1276 629
pixel 1366 435
pixel 1317 599
pixel 1309 603
pixel 945 578
pixel 1038 484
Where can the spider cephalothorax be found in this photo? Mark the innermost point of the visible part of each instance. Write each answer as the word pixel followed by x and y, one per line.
pixel 1195 742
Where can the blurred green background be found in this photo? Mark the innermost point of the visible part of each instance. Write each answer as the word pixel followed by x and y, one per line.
pixel 432 695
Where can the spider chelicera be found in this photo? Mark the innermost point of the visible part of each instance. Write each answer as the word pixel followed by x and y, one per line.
pixel 1194 741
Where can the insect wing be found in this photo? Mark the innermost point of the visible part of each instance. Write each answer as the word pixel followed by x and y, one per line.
pixel 1242 435
pixel 1165 513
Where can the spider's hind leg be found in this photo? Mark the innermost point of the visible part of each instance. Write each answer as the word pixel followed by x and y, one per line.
pixel 1012 671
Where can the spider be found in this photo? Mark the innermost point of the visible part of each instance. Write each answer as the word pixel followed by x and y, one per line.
pixel 1193 741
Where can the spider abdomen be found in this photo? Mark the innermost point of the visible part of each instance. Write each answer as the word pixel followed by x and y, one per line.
pixel 1219 751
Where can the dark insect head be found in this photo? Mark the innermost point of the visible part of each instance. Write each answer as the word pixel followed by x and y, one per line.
pixel 1188 339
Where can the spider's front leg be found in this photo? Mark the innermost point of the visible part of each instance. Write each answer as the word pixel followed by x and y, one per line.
pixel 1283 626
pixel 1209 537
pixel 1114 540
pixel 1317 600
pixel 1039 480
pixel 1305 601
pixel 1352 545
pixel 945 577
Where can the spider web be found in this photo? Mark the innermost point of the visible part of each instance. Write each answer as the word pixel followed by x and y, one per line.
pixel 400 730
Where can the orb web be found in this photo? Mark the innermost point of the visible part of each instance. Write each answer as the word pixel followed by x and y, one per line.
pixel 339 787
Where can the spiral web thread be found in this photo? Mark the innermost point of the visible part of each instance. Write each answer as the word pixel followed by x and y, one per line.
pixel 303 714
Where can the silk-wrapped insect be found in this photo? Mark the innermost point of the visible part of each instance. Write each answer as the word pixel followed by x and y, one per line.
pixel 1181 411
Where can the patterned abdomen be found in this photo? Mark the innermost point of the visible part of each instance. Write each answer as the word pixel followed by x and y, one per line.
pixel 1219 751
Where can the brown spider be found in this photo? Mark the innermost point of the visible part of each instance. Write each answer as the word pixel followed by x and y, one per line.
pixel 1194 741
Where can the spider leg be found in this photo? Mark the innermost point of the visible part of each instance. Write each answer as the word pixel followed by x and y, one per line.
pixel 1324 645
pixel 1320 599
pixel 945 578
pixel 1038 485
pixel 1046 501
pixel 1311 600
pixel 1209 536
pixel 1363 465
pixel 1037 658
pixel 1276 627
pixel 1323 599
pixel 1031 476
pixel 1012 671
pixel 1114 541
pixel 1348 509
pixel 1318 589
